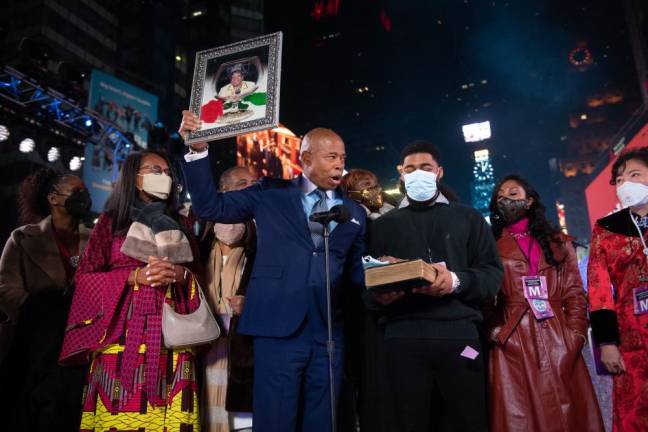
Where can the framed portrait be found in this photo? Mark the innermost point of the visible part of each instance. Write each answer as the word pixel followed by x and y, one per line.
pixel 235 88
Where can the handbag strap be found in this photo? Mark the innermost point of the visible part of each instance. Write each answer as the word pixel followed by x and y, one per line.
pixel 195 286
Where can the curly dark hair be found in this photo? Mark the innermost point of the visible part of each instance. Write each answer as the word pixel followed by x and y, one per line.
pixel 421 146
pixel 354 176
pixel 539 227
pixel 32 196
pixel 639 154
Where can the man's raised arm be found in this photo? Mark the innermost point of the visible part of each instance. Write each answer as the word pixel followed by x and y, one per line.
pixel 207 202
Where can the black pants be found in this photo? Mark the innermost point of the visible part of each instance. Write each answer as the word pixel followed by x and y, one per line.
pixel 376 406
pixel 435 388
pixel 36 393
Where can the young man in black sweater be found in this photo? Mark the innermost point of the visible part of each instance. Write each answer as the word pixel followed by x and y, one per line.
pixel 433 351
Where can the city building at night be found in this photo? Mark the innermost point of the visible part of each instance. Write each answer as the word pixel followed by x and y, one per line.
pixel 605 118
pixel 549 91
pixel 483 181
pixel 56 46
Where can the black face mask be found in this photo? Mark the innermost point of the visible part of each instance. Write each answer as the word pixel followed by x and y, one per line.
pixel 512 210
pixel 78 204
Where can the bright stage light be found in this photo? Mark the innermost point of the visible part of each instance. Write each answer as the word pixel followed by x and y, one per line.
pixel 27 145
pixel 53 154
pixel 475 132
pixel 88 122
pixel 4 133
pixel 75 163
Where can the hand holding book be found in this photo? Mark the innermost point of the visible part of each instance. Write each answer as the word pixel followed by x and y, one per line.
pixel 399 275
pixel 393 277
pixel 441 284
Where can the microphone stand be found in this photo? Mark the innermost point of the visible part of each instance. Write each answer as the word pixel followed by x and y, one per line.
pixel 339 214
pixel 330 343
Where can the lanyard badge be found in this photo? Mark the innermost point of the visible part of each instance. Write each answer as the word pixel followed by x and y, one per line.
pixel 640 300
pixel 537 294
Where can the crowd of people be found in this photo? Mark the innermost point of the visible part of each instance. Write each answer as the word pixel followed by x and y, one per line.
pixel 127 118
pixel 492 341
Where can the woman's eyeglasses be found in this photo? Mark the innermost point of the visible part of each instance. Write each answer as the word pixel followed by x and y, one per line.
pixel 156 169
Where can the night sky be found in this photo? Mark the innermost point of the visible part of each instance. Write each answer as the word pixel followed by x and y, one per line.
pixel 414 57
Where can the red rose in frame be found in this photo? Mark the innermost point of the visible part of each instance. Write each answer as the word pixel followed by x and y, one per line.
pixel 210 112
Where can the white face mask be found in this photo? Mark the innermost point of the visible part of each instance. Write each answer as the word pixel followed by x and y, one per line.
pixel 632 194
pixel 420 185
pixel 229 233
pixel 158 185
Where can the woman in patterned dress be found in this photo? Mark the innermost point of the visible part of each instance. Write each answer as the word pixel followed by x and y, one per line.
pixel 617 277
pixel 134 382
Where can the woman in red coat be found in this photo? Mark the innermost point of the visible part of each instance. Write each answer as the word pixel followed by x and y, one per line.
pixel 618 291
pixel 538 379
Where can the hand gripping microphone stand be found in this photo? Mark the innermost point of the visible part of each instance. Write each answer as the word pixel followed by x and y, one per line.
pixel 339 214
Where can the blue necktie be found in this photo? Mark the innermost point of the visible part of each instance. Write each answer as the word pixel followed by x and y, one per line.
pixel 317 229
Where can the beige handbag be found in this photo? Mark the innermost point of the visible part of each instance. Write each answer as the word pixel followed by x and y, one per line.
pixel 197 328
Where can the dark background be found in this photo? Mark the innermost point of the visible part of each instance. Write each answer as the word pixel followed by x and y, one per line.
pixel 380 72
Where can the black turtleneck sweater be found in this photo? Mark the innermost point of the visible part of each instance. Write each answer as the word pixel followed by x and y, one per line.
pixel 455 234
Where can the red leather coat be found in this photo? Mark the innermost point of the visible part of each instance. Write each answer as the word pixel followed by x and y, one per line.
pixel 538 379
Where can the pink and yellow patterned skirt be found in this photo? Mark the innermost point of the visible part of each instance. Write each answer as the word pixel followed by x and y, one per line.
pixel 109 407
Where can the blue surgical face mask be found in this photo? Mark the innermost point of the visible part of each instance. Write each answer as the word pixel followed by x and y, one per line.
pixel 420 185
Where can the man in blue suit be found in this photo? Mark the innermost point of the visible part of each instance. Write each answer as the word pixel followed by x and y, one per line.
pixel 285 306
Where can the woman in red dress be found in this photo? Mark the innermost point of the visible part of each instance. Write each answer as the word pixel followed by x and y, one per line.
pixel 134 382
pixel 618 291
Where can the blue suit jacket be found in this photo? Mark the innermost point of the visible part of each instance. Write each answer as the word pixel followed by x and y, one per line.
pixel 288 276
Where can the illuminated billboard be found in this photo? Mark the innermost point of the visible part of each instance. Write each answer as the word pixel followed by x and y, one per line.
pixel 481 155
pixel 132 109
pixel 476 132
pixel 270 153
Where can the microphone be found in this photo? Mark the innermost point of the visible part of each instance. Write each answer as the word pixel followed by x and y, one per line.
pixel 338 213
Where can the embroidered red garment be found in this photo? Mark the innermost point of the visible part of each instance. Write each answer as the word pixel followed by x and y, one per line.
pixel 211 111
pixel 105 308
pixel 618 261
